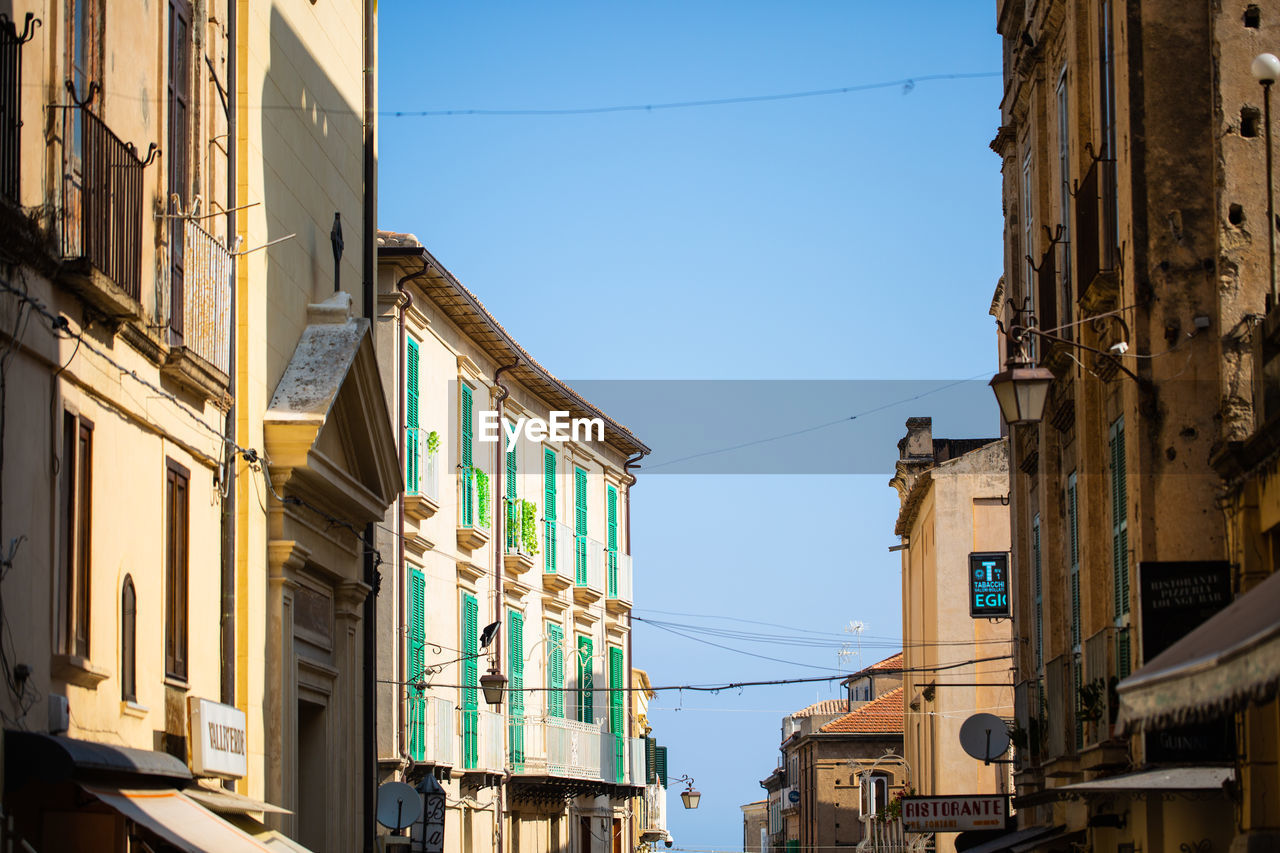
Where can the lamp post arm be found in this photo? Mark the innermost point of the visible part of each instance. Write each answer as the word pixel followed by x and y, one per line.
pixel 1111 356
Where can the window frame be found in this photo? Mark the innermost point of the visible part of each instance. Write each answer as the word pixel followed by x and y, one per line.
pixel 128 640
pixel 77 535
pixel 177 575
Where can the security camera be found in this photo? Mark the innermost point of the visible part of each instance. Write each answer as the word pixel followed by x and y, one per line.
pixel 1119 348
pixel 668 843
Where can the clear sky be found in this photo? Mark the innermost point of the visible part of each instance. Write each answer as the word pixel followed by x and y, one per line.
pixel 851 236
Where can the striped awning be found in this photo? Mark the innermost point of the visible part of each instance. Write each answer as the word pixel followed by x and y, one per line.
pixel 1229 661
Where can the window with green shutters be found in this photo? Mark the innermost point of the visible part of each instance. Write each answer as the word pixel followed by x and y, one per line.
pixel 617 721
pixel 586 682
pixel 1119 520
pixel 467 508
pixel 555 671
pixel 515 695
pixel 580 526
pixel 1038 651
pixel 549 511
pixel 1123 666
pixel 470 680
pixel 611 517
pixel 513 505
pixel 650 761
pixel 413 446
pixel 660 765
pixel 416 663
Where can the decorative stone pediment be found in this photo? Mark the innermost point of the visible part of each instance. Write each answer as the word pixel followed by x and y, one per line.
pixel 327 430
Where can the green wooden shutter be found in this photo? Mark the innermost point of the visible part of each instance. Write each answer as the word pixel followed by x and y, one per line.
pixel 468 507
pixel 586 685
pixel 612 519
pixel 555 670
pixel 617 720
pixel 549 511
pixel 580 526
pixel 417 663
pixel 470 680
pixel 1123 666
pixel 1073 522
pixel 413 461
pixel 650 761
pixel 515 695
pixel 1119 520
pixel 513 506
pixel 660 764
pixel 1038 651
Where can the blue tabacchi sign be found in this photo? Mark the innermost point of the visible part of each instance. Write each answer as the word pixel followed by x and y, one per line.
pixel 988 585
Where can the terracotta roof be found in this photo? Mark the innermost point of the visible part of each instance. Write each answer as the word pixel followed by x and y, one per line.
pixel 830 707
pixel 882 715
pixel 470 315
pixel 892 663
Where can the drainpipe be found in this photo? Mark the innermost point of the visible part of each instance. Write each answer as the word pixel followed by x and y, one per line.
pixel 633 462
pixel 369 830
pixel 402 663
pixel 499 549
pixel 227 623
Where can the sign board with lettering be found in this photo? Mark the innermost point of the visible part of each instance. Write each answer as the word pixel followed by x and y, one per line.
pixel 216 739
pixel 955 813
pixel 988 585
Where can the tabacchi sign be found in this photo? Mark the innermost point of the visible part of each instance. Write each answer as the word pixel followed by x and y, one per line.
pixel 952 814
pixel 217 739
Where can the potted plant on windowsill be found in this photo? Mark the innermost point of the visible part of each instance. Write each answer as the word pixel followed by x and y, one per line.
pixel 522 537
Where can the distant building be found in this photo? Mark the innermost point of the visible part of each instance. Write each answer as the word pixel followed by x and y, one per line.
pixel 833 771
pixel 755 827
pixel 954 503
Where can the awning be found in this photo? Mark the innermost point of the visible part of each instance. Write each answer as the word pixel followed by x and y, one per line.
pixel 53 758
pixel 1054 841
pixel 1166 780
pixel 223 801
pixel 1230 660
pixel 177 819
pixel 1007 841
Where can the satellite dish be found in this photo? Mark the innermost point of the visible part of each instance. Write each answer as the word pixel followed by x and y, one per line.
pixel 984 737
pixel 398 805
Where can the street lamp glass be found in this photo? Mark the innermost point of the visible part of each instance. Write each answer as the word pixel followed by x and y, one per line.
pixel 1265 68
pixel 493 684
pixel 690 797
pixel 1021 393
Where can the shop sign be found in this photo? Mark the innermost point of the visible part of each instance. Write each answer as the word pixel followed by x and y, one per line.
pixel 955 813
pixel 217 738
pixel 988 585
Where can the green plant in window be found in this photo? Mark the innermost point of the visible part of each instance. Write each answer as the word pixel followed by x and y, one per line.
pixel 529 527
pixel 433 441
pixel 1093 697
pixel 483 498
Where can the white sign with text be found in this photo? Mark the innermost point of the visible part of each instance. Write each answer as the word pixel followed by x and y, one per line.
pixel 217 739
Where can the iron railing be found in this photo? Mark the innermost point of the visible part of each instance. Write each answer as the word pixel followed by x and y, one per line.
pixel 11 42
pixel 421 476
pixel 635 761
pixel 102 198
pixel 203 321
pixel 619 577
pixel 557 549
pixel 573 748
pixel 588 563
pixel 475 507
pixel 491 732
pixel 655 809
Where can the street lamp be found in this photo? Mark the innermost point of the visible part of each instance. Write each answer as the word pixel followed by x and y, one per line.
pixel 1021 388
pixel 689 795
pixel 494 684
pixel 1266 70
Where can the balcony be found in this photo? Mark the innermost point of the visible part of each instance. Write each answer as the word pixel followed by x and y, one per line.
pixel 421 475
pixel 1096 236
pixel 557 556
pixel 654 820
pixel 198 312
pixel 432 730
pixel 635 761
pixel 521 545
pixel 573 749
pixel 618 582
pixel 483 736
pixel 101 215
pixel 473 509
pixel 588 569
pixel 11 42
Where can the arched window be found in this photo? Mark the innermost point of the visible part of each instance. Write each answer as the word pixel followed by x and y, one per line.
pixel 128 641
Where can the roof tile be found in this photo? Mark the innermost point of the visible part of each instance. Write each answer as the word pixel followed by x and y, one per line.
pixel 882 715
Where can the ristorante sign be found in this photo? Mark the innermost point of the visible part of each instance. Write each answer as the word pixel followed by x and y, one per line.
pixel 954 813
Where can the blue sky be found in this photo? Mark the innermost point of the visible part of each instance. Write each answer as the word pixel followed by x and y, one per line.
pixel 848 236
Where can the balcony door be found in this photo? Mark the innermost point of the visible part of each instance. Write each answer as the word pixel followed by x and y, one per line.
pixel 177 156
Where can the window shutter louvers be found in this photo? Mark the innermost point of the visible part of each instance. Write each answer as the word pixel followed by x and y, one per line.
pixel 1119 521
pixel 660 762
pixel 515 696
pixel 413 461
pixel 612 519
pixel 470 680
pixel 467 510
pixel 617 720
pixel 555 670
pixel 549 511
pixel 417 663
pixel 1039 593
pixel 580 526
pixel 1073 522
pixel 586 698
